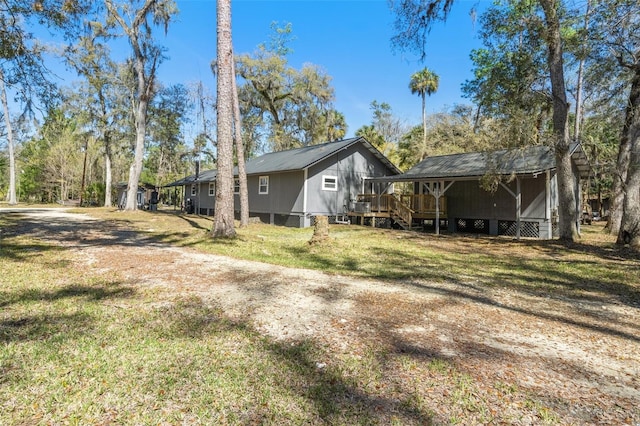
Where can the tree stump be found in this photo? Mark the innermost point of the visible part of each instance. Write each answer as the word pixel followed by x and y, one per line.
pixel 320 230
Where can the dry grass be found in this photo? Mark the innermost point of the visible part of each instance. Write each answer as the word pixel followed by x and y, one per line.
pixel 81 346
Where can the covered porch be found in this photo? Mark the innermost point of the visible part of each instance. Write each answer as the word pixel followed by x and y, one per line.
pixel 407 210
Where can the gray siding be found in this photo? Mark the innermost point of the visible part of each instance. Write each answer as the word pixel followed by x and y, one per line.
pixel 285 193
pixel 466 199
pixel 292 203
pixel 202 202
pixel 350 166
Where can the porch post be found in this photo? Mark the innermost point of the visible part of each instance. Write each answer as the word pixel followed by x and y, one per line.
pixel 547 212
pixel 518 207
pixel 437 194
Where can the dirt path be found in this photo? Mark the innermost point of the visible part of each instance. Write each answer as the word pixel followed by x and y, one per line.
pixel 581 356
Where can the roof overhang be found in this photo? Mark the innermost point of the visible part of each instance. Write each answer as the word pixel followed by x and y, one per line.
pixel 580 160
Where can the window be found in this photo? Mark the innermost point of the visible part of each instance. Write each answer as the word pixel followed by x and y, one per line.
pixel 329 183
pixel 236 186
pixel 193 190
pixel 212 189
pixel 263 185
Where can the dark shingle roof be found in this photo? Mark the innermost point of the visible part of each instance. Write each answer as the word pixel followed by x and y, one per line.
pixel 293 159
pixel 522 161
pixel 302 158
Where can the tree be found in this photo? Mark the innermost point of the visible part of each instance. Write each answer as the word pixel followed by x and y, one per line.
pixel 510 81
pixel 138 20
pixel 102 97
pixel 21 66
pixel 617 32
pixel 11 193
pixel 240 153
pixel 223 225
pixel 292 108
pixel 414 19
pixel 450 131
pixel 385 130
pixel 169 111
pixel 424 83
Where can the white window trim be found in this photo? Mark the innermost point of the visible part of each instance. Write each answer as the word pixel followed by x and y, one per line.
pixel 260 185
pixel 212 186
pixel 333 187
pixel 193 190
pixel 236 186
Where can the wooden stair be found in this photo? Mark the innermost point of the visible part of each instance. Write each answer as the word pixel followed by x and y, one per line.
pixel 401 222
pixel 400 213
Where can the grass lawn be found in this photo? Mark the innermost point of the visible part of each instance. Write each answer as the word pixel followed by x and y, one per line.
pixel 77 347
pixel 593 265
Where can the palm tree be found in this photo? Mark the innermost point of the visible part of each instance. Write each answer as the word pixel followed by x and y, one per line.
pixel 424 83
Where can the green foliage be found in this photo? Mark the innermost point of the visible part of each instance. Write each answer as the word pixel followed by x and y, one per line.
pixel 424 82
pixel 290 107
pixel 510 72
pixel 450 131
pixel 166 150
pixel 385 130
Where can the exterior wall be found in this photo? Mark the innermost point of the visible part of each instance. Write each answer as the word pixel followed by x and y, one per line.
pixel 284 195
pixel 349 166
pixel 201 201
pixel 467 200
pixel 285 202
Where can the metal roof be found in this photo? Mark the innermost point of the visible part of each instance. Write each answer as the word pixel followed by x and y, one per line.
pixel 305 157
pixel 291 160
pixel 521 161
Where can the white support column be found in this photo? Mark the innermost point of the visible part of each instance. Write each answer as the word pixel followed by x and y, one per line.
pixel 305 191
pixel 518 197
pixel 547 212
pixel 518 207
pixel 436 193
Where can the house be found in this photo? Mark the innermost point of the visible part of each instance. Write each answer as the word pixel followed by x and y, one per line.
pixel 147 195
pixel 452 189
pixel 292 187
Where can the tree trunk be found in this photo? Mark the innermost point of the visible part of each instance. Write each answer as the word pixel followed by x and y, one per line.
pixel 223 225
pixel 136 168
pixel 580 83
pixel 623 162
pixel 242 172
pixel 107 175
pixel 630 222
pixel 320 230
pixel 630 227
pixel 424 153
pixel 11 195
pixel 567 209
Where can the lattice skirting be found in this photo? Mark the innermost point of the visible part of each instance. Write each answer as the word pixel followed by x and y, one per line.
pixel 527 229
pixel 381 222
pixel 474 226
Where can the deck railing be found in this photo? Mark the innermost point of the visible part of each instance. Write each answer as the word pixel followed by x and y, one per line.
pixel 424 203
pixel 377 202
pixel 420 204
pixel 399 208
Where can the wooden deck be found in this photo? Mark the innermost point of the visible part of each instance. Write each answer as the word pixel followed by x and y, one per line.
pixel 402 209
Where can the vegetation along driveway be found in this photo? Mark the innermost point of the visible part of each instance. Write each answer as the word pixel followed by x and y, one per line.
pixel 470 348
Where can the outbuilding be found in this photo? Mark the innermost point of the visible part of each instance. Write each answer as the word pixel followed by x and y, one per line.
pixel 504 192
pixel 292 187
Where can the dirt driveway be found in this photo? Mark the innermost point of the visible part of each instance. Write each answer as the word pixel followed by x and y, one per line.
pixel 581 357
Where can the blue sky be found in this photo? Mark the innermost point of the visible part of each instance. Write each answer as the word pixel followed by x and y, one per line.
pixel 349 39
